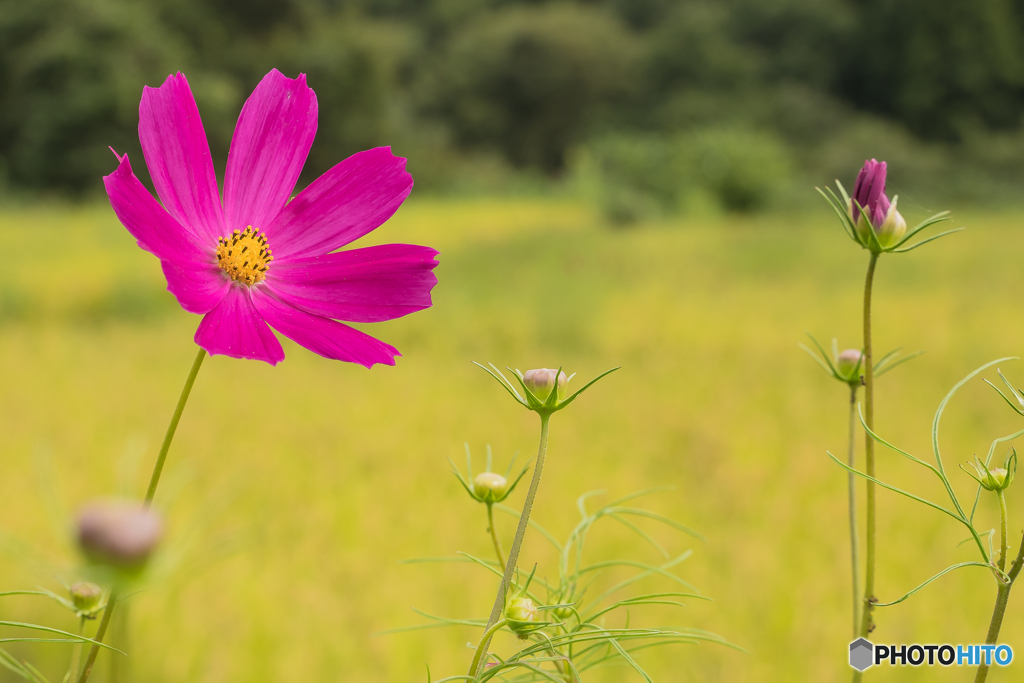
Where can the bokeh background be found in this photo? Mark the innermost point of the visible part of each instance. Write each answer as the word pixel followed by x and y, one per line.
pixel 610 183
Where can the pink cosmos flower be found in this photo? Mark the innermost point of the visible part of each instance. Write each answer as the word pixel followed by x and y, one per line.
pixel 256 260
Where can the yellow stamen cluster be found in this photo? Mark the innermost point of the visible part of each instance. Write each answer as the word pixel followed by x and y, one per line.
pixel 244 256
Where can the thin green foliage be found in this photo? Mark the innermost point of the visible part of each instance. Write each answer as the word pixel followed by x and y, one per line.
pixel 581 630
pixel 938 469
pixel 23 669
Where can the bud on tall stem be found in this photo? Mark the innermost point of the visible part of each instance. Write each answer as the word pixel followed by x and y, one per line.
pixel 552 402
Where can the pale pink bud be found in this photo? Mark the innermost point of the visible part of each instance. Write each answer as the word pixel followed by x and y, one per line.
pixel 118 533
pixel 542 381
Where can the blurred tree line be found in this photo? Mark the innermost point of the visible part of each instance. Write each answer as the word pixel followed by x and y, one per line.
pixel 649 103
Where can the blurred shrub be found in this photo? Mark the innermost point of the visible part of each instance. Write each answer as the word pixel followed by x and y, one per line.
pixel 530 81
pixel 495 85
pixel 71 73
pixel 353 65
pixel 633 177
pixel 939 68
pixel 741 168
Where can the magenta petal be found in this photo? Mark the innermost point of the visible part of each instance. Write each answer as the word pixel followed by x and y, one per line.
pixel 197 287
pixel 361 285
pixel 880 209
pixel 342 205
pixel 876 180
pixel 235 329
pixel 323 336
pixel 154 229
pixel 178 157
pixel 272 139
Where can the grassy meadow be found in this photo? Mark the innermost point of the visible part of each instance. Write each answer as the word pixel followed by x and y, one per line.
pixel 293 494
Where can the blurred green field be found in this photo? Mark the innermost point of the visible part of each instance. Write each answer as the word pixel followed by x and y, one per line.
pixel 293 493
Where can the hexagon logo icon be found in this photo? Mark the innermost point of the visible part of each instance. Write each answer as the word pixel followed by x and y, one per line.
pixel 861 654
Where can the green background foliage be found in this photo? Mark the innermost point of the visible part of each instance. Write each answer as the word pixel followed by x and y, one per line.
pixel 482 93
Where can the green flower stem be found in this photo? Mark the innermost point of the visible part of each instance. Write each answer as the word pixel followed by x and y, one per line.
pixel 119 667
pixel 513 556
pixel 867 623
pixel 76 652
pixel 1002 597
pixel 153 481
pixel 482 648
pixel 100 632
pixel 494 536
pixel 171 428
pixel 1002 528
pixel 852 493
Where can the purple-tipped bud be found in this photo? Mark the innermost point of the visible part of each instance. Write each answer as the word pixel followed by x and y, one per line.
pixel 869 192
pixel 879 213
pixel 489 486
pixel 118 533
pixel 848 361
pixel 85 596
pixel 542 381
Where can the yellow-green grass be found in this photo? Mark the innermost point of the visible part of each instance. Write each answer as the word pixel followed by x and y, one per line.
pixel 293 493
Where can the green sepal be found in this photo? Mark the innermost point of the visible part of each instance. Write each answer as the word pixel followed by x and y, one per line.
pixel 467 480
pixel 1019 409
pixel 551 404
pixel 842 210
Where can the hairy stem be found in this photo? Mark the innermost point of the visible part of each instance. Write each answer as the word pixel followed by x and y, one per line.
pixel 852 494
pixel 1002 528
pixel 499 602
pixel 494 536
pixel 867 622
pixel 100 632
pixel 153 481
pixel 1002 597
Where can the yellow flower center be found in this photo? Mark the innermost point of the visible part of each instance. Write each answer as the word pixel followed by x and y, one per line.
pixel 244 256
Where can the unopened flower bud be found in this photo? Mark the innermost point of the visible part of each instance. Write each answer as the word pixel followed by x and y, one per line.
pixel 521 615
pixel 563 613
pixel 995 480
pixel 118 533
pixel 892 228
pixel 85 596
pixel 542 381
pixel 489 487
pixel 848 361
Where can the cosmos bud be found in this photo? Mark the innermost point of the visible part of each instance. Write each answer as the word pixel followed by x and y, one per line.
pixel 893 227
pixel 521 615
pixel 542 381
pixel 849 363
pixel 489 487
pixel 85 596
pixel 118 533
pixel 994 478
